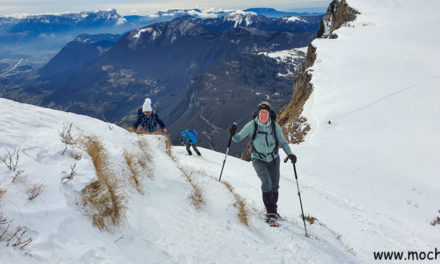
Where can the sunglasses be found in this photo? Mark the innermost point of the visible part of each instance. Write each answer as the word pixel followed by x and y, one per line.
pixel 148 112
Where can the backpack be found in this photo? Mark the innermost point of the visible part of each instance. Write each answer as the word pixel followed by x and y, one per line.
pixel 273 117
pixel 194 132
pixel 148 124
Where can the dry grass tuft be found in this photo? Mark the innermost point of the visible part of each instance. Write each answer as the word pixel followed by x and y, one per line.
pixel 168 147
pixel 135 178
pixel 436 220
pixel 239 204
pixel 310 219
pixel 10 159
pixel 102 199
pixel 75 156
pixel 67 137
pixel 71 174
pixel 17 238
pixel 196 197
pixel 18 176
pixel 334 233
pixel 2 193
pixel 34 190
pixel 147 157
pixel 141 131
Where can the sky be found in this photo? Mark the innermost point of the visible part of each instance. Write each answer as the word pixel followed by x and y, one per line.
pixel 143 7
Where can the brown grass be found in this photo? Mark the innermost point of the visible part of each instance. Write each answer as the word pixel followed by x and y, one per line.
pixel 2 193
pixel 338 236
pixel 310 219
pixel 102 199
pixel 135 177
pixel 239 204
pixel 196 197
pixel 147 157
pixel 141 131
pixel 168 147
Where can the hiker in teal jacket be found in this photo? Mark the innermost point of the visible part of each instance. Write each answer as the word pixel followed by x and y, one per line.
pixel 266 134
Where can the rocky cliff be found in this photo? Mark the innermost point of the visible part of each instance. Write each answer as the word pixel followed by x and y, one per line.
pixel 295 126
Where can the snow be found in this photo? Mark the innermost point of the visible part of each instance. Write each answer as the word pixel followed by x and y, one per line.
pixel 378 85
pixel 293 19
pixel 286 55
pixel 370 177
pixel 139 32
pixel 239 16
pixel 293 57
pixel 121 21
pixel 161 225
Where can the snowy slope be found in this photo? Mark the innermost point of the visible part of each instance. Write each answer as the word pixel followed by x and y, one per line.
pixel 161 225
pixel 378 84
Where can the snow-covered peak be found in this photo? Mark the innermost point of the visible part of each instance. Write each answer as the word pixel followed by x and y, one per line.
pixel 239 17
pixel 137 33
pixel 294 19
pixel 199 13
pixel 109 16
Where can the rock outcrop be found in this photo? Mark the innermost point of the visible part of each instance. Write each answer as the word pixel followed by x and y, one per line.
pixel 294 125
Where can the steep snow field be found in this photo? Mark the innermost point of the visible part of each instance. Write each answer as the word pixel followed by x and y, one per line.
pixel 161 225
pixel 378 83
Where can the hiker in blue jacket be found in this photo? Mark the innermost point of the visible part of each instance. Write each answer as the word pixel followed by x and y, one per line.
pixel 265 134
pixel 189 138
pixel 148 119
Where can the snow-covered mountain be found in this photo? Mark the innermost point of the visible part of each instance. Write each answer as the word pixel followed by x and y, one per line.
pixel 172 207
pixel 33 26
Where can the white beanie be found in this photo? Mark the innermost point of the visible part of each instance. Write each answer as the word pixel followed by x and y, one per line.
pixel 147 105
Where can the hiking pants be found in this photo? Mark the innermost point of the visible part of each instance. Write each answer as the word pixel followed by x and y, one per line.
pixel 188 146
pixel 269 174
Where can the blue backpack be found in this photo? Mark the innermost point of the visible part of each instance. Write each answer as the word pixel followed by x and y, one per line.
pixel 194 132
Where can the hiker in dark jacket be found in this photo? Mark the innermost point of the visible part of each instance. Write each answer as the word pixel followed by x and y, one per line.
pixel 148 119
pixel 266 134
pixel 189 138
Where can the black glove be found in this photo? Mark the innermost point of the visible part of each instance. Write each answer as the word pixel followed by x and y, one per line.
pixel 233 129
pixel 292 158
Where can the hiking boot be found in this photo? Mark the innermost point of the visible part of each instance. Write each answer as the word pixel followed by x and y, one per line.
pixel 277 215
pixel 271 219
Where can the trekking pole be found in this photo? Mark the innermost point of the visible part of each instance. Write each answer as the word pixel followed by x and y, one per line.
pixel 227 151
pixel 299 194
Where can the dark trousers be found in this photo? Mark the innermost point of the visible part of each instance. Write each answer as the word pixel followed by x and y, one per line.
pixel 188 146
pixel 269 174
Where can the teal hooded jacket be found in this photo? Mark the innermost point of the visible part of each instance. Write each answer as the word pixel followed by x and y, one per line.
pixel 260 143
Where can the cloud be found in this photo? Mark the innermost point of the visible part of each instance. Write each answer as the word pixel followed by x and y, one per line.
pixel 8 7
